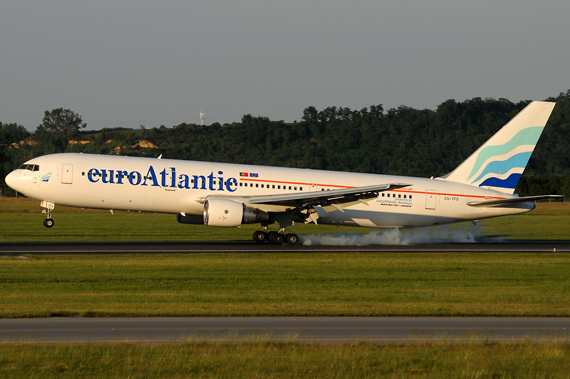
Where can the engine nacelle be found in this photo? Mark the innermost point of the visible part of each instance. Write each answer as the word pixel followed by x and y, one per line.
pixel 230 214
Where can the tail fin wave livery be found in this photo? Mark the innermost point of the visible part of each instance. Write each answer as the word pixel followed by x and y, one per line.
pixel 500 162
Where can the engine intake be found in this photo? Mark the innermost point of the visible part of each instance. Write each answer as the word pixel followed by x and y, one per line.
pixel 230 213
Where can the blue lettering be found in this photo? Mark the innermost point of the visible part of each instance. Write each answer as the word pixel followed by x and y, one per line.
pixel 150 175
pixel 93 172
pixel 229 184
pixel 135 175
pixel 163 176
pixel 173 177
pixel 181 181
pixel 184 181
pixel 221 180
pixel 122 174
pixel 202 178
pixel 211 181
pixel 104 178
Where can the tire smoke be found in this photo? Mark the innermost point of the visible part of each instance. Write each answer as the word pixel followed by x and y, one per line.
pixel 442 234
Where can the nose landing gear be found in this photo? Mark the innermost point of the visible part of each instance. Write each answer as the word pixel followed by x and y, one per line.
pixel 48 207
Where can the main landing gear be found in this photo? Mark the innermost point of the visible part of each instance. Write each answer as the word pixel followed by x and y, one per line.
pixel 48 207
pixel 275 238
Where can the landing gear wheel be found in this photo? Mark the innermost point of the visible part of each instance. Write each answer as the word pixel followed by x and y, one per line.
pixel 259 236
pixel 48 222
pixel 291 239
pixel 275 238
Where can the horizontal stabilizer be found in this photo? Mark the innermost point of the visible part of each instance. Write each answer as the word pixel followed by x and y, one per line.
pixel 513 200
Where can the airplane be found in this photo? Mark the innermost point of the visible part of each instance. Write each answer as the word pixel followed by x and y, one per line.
pixel 229 195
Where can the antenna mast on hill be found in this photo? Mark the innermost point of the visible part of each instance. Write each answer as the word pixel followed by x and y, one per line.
pixel 202 117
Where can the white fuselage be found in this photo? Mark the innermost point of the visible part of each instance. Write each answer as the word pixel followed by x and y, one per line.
pixel 176 186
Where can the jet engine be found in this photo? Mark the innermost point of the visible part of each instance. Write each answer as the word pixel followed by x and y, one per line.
pixel 229 213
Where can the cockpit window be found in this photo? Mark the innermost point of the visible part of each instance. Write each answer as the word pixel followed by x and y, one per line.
pixel 31 167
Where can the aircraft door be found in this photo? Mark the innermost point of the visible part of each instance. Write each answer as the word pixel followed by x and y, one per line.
pixel 431 197
pixel 67 174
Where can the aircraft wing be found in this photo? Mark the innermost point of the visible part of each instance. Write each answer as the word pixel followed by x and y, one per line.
pixel 506 202
pixel 335 199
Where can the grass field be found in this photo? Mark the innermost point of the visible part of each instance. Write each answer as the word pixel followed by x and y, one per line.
pixel 287 360
pixel 377 284
pixel 21 221
pixel 278 284
pixel 273 284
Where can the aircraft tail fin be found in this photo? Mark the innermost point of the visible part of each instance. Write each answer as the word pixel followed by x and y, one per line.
pixel 499 163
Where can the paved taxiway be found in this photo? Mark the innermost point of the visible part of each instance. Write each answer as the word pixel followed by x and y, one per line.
pixel 19 248
pixel 294 329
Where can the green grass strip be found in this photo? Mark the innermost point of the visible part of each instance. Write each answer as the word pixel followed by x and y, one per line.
pixel 287 360
pixel 352 284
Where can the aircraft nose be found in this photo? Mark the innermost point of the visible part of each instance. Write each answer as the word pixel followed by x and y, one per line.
pixel 12 180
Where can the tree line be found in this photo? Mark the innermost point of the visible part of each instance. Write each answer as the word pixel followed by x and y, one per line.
pixel 399 141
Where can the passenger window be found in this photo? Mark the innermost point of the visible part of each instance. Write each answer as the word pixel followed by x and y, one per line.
pixel 262 186
pixel 295 188
pixel 300 188
pixel 289 188
pixel 273 186
pixel 278 187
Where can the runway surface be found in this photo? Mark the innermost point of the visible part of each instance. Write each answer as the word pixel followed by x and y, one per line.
pixel 19 248
pixel 293 329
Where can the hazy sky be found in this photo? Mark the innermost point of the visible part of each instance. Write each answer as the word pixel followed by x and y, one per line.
pixel 159 62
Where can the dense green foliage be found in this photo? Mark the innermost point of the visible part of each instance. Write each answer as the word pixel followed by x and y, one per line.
pixel 401 141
